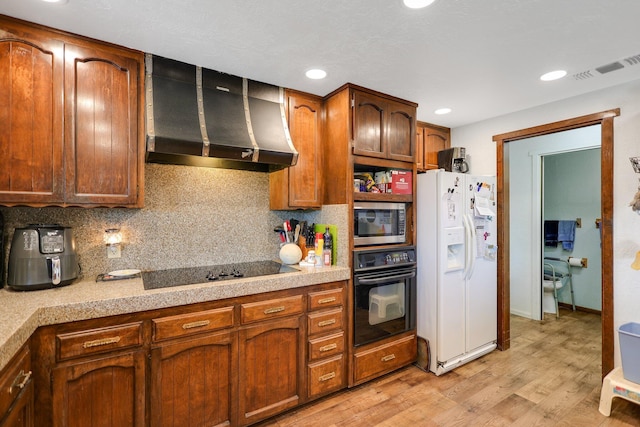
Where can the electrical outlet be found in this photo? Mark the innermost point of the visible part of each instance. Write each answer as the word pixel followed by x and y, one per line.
pixel 114 251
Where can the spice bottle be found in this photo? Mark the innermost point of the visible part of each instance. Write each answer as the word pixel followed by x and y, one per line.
pixel 327 248
pixel 319 249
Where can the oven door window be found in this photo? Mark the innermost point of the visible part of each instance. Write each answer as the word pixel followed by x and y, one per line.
pixel 386 303
pixel 380 310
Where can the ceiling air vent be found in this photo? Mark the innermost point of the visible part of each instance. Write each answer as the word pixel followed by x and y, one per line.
pixel 583 75
pixel 604 69
pixel 632 60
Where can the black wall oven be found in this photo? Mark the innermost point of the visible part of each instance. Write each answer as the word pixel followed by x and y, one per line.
pixel 384 293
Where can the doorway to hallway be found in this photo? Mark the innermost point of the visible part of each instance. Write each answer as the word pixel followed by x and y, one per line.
pixel 504 144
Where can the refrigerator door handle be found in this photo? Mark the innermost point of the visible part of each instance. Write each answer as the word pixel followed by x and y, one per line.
pixel 467 241
pixel 473 249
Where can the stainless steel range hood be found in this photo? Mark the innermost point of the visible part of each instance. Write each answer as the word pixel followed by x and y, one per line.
pixel 202 117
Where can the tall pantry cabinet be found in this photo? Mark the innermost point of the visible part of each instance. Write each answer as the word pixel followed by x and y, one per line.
pixel 71 107
pixel 367 131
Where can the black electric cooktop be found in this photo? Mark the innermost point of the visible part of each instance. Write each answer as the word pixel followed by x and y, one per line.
pixel 214 273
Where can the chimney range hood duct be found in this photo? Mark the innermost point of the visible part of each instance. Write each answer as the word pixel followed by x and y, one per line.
pixel 201 117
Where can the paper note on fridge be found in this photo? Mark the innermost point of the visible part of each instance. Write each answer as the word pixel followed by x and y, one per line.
pixel 483 207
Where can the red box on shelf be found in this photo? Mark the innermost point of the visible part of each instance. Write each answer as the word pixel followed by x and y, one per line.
pixel 401 182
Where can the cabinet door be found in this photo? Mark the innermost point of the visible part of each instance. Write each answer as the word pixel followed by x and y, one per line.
pixel 21 413
pixel 305 118
pixel 401 130
pixel 368 125
pixel 271 368
pixel 300 186
pixel 101 127
pixel 191 381
pixel 16 391
pixel 435 139
pixel 107 391
pixel 31 115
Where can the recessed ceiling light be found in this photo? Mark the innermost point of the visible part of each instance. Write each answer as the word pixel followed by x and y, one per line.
pixel 417 4
pixel 55 1
pixel 553 75
pixel 316 74
pixel 443 110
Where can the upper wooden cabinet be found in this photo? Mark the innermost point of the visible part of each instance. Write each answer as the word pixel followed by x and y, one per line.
pixel 383 127
pixel 429 140
pixel 71 110
pixel 300 186
pixel 101 126
pixel 31 94
pixel 365 130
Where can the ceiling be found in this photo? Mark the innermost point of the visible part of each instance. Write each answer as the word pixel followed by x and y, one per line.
pixel 481 58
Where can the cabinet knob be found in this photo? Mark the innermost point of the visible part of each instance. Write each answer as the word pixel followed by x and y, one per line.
pixel 327 377
pixel 198 324
pixel 100 342
pixel 21 381
pixel 274 310
pixel 328 347
pixel 388 357
pixel 326 322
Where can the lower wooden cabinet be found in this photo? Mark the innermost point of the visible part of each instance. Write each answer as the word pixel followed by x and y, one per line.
pixel 224 363
pixel 271 368
pixel 21 413
pixel 326 320
pixel 16 392
pixel 192 381
pixel 107 391
pixel 374 361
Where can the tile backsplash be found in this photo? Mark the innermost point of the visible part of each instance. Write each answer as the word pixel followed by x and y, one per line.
pixel 192 217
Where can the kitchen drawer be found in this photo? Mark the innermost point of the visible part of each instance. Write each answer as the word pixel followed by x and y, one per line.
pixel 326 346
pixel 192 323
pixel 385 358
pixel 92 341
pixel 324 321
pixel 16 376
pixel 323 299
pixel 270 309
pixel 326 376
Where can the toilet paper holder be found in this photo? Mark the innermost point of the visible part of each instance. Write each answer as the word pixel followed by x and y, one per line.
pixel 578 262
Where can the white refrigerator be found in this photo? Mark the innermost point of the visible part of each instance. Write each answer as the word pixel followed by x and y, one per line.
pixel 457 274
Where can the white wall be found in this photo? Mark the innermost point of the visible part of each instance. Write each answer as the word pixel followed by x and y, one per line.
pixel 572 190
pixel 477 138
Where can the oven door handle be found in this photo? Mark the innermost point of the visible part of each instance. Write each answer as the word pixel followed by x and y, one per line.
pixel 386 278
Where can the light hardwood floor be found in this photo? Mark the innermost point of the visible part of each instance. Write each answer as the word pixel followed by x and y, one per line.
pixel 550 377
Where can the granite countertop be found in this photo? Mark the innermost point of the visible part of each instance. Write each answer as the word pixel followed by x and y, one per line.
pixel 24 312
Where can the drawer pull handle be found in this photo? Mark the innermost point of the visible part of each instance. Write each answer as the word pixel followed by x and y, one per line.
pixel 388 357
pixel 326 300
pixel 327 377
pixel 198 324
pixel 326 322
pixel 274 310
pixel 328 347
pixel 21 380
pixel 101 342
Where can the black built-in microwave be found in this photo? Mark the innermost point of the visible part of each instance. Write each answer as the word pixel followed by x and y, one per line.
pixel 379 223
